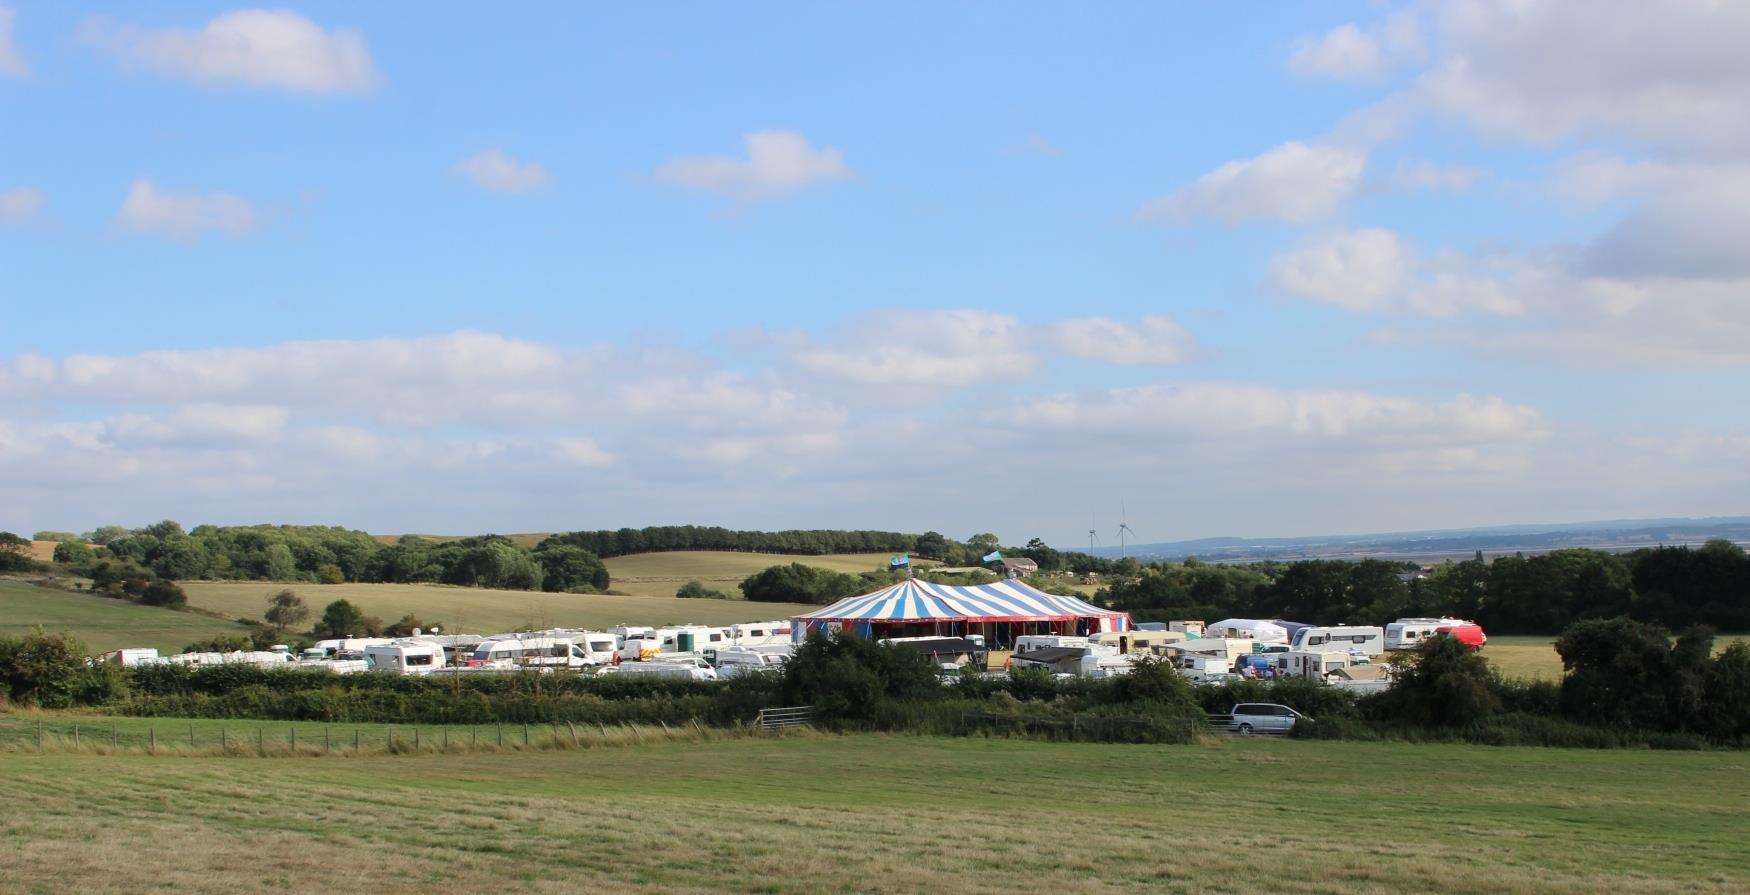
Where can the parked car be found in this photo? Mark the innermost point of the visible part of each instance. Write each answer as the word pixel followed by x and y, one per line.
pixel 1264 717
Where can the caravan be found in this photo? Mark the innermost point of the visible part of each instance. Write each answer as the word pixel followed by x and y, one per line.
pixel 1368 640
pixel 683 669
pixel 545 649
pixel 405 657
pixel 1248 629
pixel 1408 633
pixel 760 634
pixel 1315 663
pixel 734 661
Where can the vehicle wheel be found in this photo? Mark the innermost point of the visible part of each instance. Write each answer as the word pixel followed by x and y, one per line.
pixel 1245 730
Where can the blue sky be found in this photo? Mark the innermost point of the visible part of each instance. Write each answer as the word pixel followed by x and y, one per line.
pixel 1321 267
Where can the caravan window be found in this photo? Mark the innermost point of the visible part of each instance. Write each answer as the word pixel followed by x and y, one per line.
pixel 716 636
pixel 602 646
pixel 418 660
pixel 557 652
pixel 1315 641
pixel 578 652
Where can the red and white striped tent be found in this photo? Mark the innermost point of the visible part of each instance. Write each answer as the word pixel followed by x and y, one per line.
pixel 1000 611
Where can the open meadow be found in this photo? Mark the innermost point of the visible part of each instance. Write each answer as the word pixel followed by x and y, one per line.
pixel 102 623
pixel 881 813
pixel 1534 657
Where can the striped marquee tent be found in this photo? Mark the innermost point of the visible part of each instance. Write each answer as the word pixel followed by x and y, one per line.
pixel 1000 612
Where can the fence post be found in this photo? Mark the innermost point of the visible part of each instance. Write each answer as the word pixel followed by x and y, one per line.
pixel 525 733
pixel 39 734
pixel 151 740
pixel 327 740
pixel 446 736
pixel 114 736
pixel 573 728
pixel 355 740
pixel 416 737
pixel 224 741
pixel 75 734
pixel 261 741
pixel 294 740
pixel 191 734
pixel 500 728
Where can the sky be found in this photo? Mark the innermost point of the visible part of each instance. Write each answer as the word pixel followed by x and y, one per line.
pixel 1024 268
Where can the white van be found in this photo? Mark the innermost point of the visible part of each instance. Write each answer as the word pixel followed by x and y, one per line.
pixel 405 657
pixel 1408 633
pixel 739 660
pixel 760 634
pixel 1365 639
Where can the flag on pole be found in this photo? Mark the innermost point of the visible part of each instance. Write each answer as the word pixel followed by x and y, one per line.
pixel 993 556
pixel 899 560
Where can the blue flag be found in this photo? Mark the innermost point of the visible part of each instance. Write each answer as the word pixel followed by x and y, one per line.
pixel 993 556
pixel 899 560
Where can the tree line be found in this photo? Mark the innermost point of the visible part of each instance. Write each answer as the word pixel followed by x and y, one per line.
pixel 1670 586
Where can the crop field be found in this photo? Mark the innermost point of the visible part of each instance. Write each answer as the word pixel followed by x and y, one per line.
pixel 1534 657
pixel 659 574
pixel 482 610
pixel 887 814
pixel 102 623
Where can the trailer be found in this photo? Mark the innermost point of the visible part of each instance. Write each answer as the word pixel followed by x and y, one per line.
pixel 1367 639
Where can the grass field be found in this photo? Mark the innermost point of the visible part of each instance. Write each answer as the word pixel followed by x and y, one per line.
pixel 887 814
pixel 1535 657
pixel 480 610
pixel 103 623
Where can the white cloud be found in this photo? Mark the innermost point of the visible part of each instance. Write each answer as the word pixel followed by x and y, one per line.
pixel 11 61
pixel 1670 72
pixel 184 215
pixel 941 349
pixel 494 170
pixel 778 164
pixel 1344 53
pixel 1358 270
pixel 21 203
pixel 1155 339
pixel 1423 176
pixel 583 452
pixel 1294 182
pixel 199 425
pixel 256 47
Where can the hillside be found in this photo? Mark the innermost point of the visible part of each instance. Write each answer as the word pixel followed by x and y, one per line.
pixel 482 610
pixel 659 574
pixel 103 623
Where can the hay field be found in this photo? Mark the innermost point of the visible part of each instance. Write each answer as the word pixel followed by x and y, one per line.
pixel 887 814
pixel 1534 657
pixel 659 574
pixel 481 610
pixel 102 623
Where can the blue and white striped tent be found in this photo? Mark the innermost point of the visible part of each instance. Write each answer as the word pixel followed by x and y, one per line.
pixel 949 609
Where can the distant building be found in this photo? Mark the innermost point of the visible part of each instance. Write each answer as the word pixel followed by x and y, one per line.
pixel 1017 566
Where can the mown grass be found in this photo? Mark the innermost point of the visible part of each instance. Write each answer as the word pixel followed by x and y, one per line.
pixel 888 814
pixel 483 610
pixel 101 622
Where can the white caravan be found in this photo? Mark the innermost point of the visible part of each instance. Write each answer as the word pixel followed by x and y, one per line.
pixel 1027 643
pixel 133 658
pixel 760 634
pixel 1315 663
pixel 1408 633
pixel 405 657
pixel 545 649
pixel 688 669
pixel 1368 640
pixel 335 646
pixel 1248 629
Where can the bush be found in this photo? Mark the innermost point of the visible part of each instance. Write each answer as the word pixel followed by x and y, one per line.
pixel 797 583
pixel 696 589
pixel 1442 684
pixel 846 676
pixel 72 553
pixel 50 670
pixel 1727 694
pixel 163 593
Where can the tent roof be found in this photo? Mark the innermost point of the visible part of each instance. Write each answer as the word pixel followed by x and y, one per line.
pixel 914 600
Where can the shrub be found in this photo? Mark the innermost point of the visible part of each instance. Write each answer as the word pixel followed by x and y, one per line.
pixel 1442 684
pixel 72 553
pixel 329 573
pixel 1727 694
pixel 50 670
pixel 846 676
pixel 342 619
pixel 696 589
pixel 163 593
pixel 797 583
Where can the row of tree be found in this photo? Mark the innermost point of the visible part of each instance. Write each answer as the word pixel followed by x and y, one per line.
pixel 1543 594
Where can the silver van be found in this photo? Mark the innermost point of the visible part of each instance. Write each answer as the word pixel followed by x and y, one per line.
pixel 1264 717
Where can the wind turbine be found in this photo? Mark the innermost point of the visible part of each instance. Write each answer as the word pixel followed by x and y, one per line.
pixel 1123 528
pixel 1093 536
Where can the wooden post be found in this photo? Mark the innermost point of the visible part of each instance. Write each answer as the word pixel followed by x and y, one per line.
pixel 294 739
pixel 500 735
pixel 260 741
pixel 473 736
pixel 573 728
pixel 327 740
pixel 39 734
pixel 224 742
pixel 525 734
pixel 114 736
pixel 151 740
pixel 355 740
pixel 416 737
pixel 75 734
pixel 191 734
pixel 446 735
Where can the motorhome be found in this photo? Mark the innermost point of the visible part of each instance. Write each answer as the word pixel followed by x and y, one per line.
pixel 545 649
pixel 1369 640
pixel 1315 663
pixel 1408 633
pixel 689 669
pixel 405 657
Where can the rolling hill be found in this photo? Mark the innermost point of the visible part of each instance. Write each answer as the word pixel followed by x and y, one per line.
pixel 101 622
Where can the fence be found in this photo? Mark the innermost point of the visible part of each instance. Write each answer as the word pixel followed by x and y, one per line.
pixel 780 718
pixel 96 736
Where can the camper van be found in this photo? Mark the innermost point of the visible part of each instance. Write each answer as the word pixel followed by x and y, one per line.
pixel 405 657
pixel 1408 633
pixel 545 649
pixel 1365 639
